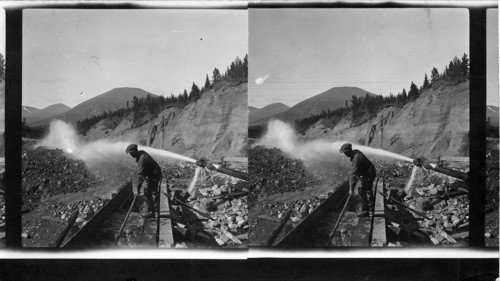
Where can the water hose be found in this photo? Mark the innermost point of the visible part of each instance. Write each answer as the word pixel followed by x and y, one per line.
pixel 338 221
pixel 125 221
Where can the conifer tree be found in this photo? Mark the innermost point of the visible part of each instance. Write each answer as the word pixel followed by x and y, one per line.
pixel 207 83
pixel 426 82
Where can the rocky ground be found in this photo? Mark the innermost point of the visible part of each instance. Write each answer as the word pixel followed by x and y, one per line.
pixel 55 186
pixel 491 208
pixel 279 183
pixel 303 189
pixel 2 203
pixel 230 227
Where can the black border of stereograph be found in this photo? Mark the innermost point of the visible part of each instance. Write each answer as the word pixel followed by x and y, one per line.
pixel 252 269
pixel 13 104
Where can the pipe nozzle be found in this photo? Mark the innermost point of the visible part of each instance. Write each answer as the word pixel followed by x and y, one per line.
pixel 203 162
pixel 422 162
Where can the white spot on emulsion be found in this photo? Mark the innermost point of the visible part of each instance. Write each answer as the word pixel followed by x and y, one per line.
pixel 261 80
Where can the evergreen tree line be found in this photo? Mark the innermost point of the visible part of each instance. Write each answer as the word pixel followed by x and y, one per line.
pixel 237 71
pixel 456 70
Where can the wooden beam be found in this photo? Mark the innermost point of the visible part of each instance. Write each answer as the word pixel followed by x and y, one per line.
pixel 166 235
pixel 379 237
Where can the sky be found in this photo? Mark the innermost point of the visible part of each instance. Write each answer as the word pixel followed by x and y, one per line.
pixel 304 52
pixel 492 57
pixel 70 52
pixel 2 32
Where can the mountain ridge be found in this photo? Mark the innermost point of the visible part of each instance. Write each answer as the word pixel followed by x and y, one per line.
pixel 328 100
pixel 111 100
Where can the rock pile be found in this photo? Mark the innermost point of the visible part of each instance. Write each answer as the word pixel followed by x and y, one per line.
pixel 271 172
pixel 2 210
pixel 86 209
pixel 47 172
pixel 449 216
pixel 230 227
pixel 492 182
pixel 441 198
pixel 301 208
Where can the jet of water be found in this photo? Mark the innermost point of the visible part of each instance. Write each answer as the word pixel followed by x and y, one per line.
pixel 281 135
pixel 192 186
pixel 408 187
pixel 64 136
pixel 167 154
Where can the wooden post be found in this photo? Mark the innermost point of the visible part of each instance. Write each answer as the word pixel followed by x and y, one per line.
pixel 278 229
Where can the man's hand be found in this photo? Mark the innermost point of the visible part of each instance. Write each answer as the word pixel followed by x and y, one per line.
pixel 135 190
pixel 352 184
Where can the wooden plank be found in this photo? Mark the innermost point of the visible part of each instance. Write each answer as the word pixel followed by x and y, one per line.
pixel 79 238
pixel 379 199
pixel 166 238
pixel 361 236
pixel 379 237
pixel 296 235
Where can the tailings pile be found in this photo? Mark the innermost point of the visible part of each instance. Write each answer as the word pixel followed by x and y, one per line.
pixel 271 172
pixel 48 172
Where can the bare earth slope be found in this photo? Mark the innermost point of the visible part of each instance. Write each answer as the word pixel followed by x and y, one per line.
pixel 213 126
pixel 46 113
pixel 437 123
pixel 112 100
pixel 2 106
pixel 257 116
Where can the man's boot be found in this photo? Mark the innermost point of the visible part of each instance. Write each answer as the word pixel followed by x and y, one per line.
pixel 150 212
pixel 364 205
pixel 370 199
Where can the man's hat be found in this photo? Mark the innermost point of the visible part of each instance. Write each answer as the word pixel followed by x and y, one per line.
pixel 130 148
pixel 345 147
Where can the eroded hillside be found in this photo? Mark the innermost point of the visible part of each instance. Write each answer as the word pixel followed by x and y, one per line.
pixel 435 124
pixel 213 126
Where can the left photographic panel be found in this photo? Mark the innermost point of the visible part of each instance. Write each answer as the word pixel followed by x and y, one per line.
pixel 134 128
pixel 2 128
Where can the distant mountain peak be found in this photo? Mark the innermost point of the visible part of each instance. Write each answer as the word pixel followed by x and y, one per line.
pixel 111 100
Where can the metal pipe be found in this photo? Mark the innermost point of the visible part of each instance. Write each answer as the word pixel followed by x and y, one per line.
pixel 338 221
pixel 125 221
pixel 422 162
pixel 230 172
pixel 452 173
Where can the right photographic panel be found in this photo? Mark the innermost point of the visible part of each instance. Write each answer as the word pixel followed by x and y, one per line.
pixel 359 127
pixel 492 120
